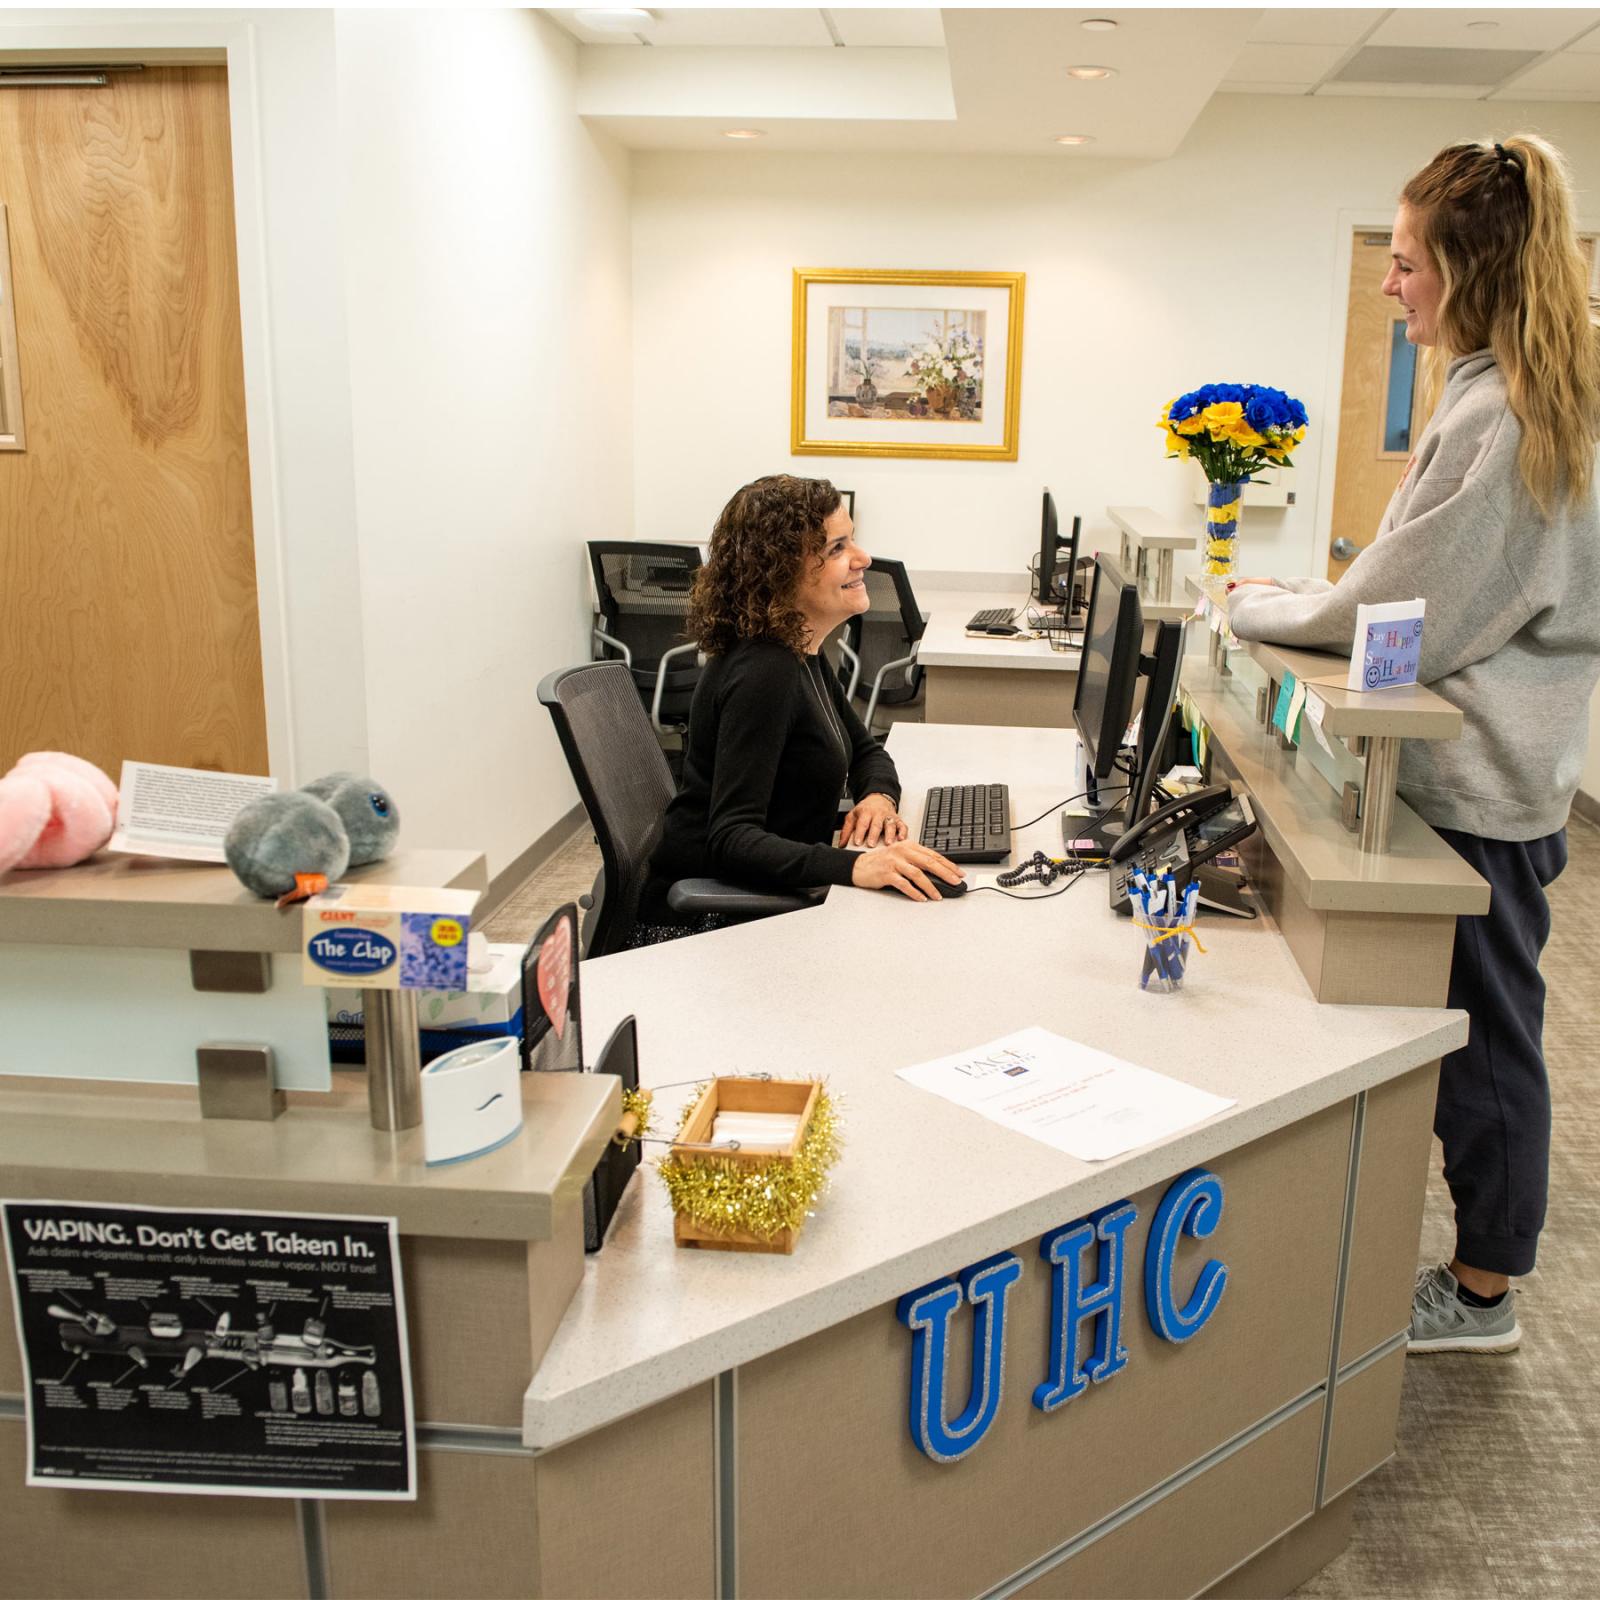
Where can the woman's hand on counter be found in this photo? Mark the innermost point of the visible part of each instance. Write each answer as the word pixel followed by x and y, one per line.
pixel 906 867
pixel 873 820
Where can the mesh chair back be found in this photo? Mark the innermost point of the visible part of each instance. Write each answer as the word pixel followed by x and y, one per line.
pixel 642 591
pixel 886 631
pixel 623 781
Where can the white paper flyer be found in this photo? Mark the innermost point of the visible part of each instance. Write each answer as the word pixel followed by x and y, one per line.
pixel 181 813
pixel 1079 1100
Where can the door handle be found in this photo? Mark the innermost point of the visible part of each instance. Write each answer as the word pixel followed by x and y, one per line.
pixel 1345 549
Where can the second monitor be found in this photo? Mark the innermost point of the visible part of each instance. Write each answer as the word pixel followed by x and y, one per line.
pixel 1055 572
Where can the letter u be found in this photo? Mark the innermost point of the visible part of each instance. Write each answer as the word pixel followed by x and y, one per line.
pixel 927 1313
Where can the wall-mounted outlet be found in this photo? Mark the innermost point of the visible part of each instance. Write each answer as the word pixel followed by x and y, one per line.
pixel 1291 497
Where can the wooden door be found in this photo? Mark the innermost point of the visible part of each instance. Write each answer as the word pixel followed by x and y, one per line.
pixel 128 623
pixel 1383 405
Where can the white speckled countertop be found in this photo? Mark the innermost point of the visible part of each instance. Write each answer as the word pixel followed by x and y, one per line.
pixel 868 983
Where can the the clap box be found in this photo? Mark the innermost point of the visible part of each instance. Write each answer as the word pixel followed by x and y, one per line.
pixel 385 936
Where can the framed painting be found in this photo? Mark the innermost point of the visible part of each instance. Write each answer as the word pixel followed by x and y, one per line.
pixel 906 364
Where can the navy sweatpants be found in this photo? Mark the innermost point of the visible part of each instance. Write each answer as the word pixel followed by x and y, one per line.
pixel 1493 1113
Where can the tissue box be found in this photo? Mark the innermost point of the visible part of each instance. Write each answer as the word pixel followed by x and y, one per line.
pixel 373 936
pixel 492 1000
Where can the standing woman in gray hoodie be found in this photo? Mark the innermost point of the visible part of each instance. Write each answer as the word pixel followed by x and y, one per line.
pixel 1496 523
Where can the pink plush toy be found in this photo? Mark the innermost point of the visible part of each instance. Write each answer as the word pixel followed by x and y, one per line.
pixel 55 811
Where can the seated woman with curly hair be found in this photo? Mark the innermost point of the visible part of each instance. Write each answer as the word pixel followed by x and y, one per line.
pixel 772 739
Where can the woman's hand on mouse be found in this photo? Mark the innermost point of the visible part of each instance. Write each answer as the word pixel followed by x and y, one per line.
pixel 906 866
pixel 871 821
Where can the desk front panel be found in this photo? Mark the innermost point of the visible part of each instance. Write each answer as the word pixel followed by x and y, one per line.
pixel 998 698
pixel 834 1499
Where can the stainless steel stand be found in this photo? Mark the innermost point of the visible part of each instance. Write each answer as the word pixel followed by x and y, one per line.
pixel 394 1058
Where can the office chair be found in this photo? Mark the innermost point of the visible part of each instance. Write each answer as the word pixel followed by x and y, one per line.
pixel 642 595
pixel 625 784
pixel 880 646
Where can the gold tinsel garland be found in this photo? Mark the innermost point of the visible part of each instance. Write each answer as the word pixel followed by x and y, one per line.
pixel 637 1104
pixel 763 1198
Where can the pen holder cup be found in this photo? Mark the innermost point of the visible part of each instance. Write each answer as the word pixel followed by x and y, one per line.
pixel 1168 941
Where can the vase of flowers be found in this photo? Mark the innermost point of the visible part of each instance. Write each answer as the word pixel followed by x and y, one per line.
pixel 947 370
pixel 1232 430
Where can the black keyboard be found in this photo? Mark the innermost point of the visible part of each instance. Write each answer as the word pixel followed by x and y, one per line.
pixel 994 617
pixel 969 822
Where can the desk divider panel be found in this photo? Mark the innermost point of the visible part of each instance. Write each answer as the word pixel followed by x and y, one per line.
pixel 1208 1526
pixel 1391 1186
pixel 1365 1406
pixel 835 1500
pixel 140 1546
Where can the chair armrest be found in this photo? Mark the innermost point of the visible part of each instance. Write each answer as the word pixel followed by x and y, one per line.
pixel 604 638
pixel 661 681
pixel 877 682
pixel 697 896
pixel 855 669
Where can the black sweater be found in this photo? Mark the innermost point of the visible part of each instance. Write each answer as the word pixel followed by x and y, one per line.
pixel 772 740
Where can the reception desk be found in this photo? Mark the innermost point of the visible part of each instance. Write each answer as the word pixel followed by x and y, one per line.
pixel 666 1421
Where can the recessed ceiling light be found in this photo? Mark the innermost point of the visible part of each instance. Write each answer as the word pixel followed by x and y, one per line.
pixel 1483 25
pixel 744 133
pixel 615 19
pixel 1098 25
pixel 1074 138
pixel 1088 73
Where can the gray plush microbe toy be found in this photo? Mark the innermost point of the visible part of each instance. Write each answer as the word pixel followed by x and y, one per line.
pixel 369 815
pixel 273 838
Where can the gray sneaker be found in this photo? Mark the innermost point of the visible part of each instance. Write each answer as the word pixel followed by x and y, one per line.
pixel 1441 1320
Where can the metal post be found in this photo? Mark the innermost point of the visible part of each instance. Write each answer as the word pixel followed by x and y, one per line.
pixel 1377 794
pixel 1164 576
pixel 394 1058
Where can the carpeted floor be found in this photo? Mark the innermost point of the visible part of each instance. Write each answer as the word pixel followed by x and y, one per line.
pixel 1493 1489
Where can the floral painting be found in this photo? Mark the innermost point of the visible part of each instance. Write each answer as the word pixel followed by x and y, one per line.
pixel 903 363
pixel 897 363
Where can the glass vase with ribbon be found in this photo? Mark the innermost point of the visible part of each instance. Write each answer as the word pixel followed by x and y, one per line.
pixel 1231 430
pixel 1223 501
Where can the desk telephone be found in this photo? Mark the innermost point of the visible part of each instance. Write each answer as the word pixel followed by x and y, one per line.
pixel 1180 838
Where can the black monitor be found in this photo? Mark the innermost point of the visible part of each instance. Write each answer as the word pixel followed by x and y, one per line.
pixel 1161 667
pixel 1055 574
pixel 1109 670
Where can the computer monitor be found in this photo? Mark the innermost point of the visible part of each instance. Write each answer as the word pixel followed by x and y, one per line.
pixel 1055 574
pixel 1161 669
pixel 1109 670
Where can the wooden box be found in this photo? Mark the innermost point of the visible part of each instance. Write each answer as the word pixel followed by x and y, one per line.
pixel 741 1094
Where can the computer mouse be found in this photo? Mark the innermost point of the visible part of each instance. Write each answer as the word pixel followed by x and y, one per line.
pixel 948 891
pixel 1001 630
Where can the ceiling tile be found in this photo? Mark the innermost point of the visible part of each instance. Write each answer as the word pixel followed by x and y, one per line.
pixel 873 28
pixel 1588 44
pixel 1304 64
pixel 1406 91
pixel 1529 28
pixel 1283 26
pixel 1226 87
pixel 1419 64
pixel 741 29
pixel 1570 74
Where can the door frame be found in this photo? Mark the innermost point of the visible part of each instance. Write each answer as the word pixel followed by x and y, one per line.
pixel 204 38
pixel 1347 225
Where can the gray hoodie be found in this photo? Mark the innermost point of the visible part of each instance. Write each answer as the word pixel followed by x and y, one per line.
pixel 1512 634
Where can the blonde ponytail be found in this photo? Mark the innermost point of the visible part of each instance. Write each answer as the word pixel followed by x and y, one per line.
pixel 1498 221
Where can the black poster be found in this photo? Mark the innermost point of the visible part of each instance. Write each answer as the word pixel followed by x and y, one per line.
pixel 220 1352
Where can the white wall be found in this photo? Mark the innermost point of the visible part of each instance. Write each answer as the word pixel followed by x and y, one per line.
pixel 1143 280
pixel 487 279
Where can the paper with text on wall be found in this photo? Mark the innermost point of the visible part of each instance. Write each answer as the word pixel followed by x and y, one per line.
pixel 180 813
pixel 1077 1099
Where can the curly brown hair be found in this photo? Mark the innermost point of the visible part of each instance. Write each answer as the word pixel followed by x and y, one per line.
pixel 759 549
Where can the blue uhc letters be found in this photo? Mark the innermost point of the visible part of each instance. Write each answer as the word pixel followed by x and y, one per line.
pixel 1193 1206
pixel 1072 1304
pixel 927 1312
pixel 1096 1245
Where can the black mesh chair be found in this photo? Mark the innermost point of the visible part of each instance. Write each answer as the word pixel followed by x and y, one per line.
pixel 642 596
pixel 879 647
pixel 625 784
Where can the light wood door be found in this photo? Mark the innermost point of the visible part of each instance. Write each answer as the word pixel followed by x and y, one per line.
pixel 128 623
pixel 1381 408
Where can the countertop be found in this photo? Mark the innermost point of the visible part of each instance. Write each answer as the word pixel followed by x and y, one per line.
pixel 867 983
pixel 945 643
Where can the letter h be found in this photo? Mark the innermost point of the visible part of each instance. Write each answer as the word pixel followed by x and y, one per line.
pixel 1072 1302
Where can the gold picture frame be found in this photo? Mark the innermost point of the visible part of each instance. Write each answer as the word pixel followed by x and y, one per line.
pixel 947 347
